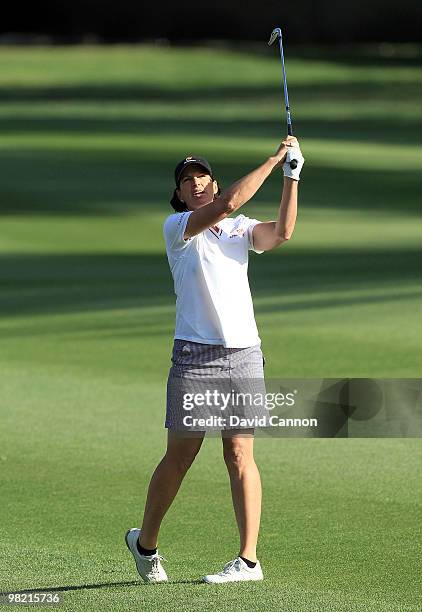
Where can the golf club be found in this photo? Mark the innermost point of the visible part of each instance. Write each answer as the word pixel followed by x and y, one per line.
pixel 276 34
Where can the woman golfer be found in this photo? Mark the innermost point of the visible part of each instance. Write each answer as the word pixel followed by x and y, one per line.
pixel 215 338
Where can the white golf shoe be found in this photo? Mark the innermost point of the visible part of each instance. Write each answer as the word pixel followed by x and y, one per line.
pixel 235 571
pixel 149 567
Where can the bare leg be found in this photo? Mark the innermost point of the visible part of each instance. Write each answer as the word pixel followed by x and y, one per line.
pixel 245 485
pixel 165 483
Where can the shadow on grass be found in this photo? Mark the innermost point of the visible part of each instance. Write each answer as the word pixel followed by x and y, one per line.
pixel 99 585
pixel 42 284
pixel 112 178
pixel 65 283
pixel 374 130
pixel 358 86
pixel 92 182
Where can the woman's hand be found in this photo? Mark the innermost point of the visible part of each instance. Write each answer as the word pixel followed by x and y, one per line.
pixel 286 144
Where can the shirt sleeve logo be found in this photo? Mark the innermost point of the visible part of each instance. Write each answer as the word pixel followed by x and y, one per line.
pixel 237 232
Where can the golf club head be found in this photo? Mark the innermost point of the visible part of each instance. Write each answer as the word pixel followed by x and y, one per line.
pixel 275 34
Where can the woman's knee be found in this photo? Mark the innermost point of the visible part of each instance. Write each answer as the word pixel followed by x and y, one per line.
pixel 182 455
pixel 237 455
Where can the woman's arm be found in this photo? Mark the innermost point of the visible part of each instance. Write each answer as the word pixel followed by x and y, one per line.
pixel 234 197
pixel 267 236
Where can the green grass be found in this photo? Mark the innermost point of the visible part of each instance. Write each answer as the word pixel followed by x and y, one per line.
pixel 88 141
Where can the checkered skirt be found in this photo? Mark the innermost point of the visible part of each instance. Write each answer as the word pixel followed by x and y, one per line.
pixel 198 369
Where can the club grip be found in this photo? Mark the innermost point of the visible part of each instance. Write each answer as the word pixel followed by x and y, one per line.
pixel 293 162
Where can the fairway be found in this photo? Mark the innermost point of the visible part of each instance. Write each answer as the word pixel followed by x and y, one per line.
pixel 89 137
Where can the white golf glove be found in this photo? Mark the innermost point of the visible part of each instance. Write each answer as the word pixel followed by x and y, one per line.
pixel 293 153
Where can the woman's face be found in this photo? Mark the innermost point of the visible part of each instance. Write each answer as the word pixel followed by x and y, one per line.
pixel 196 187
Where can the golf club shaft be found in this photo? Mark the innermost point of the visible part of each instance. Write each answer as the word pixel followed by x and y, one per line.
pixel 293 162
pixel 286 92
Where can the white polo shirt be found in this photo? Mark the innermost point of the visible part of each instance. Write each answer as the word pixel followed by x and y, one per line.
pixel 210 273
